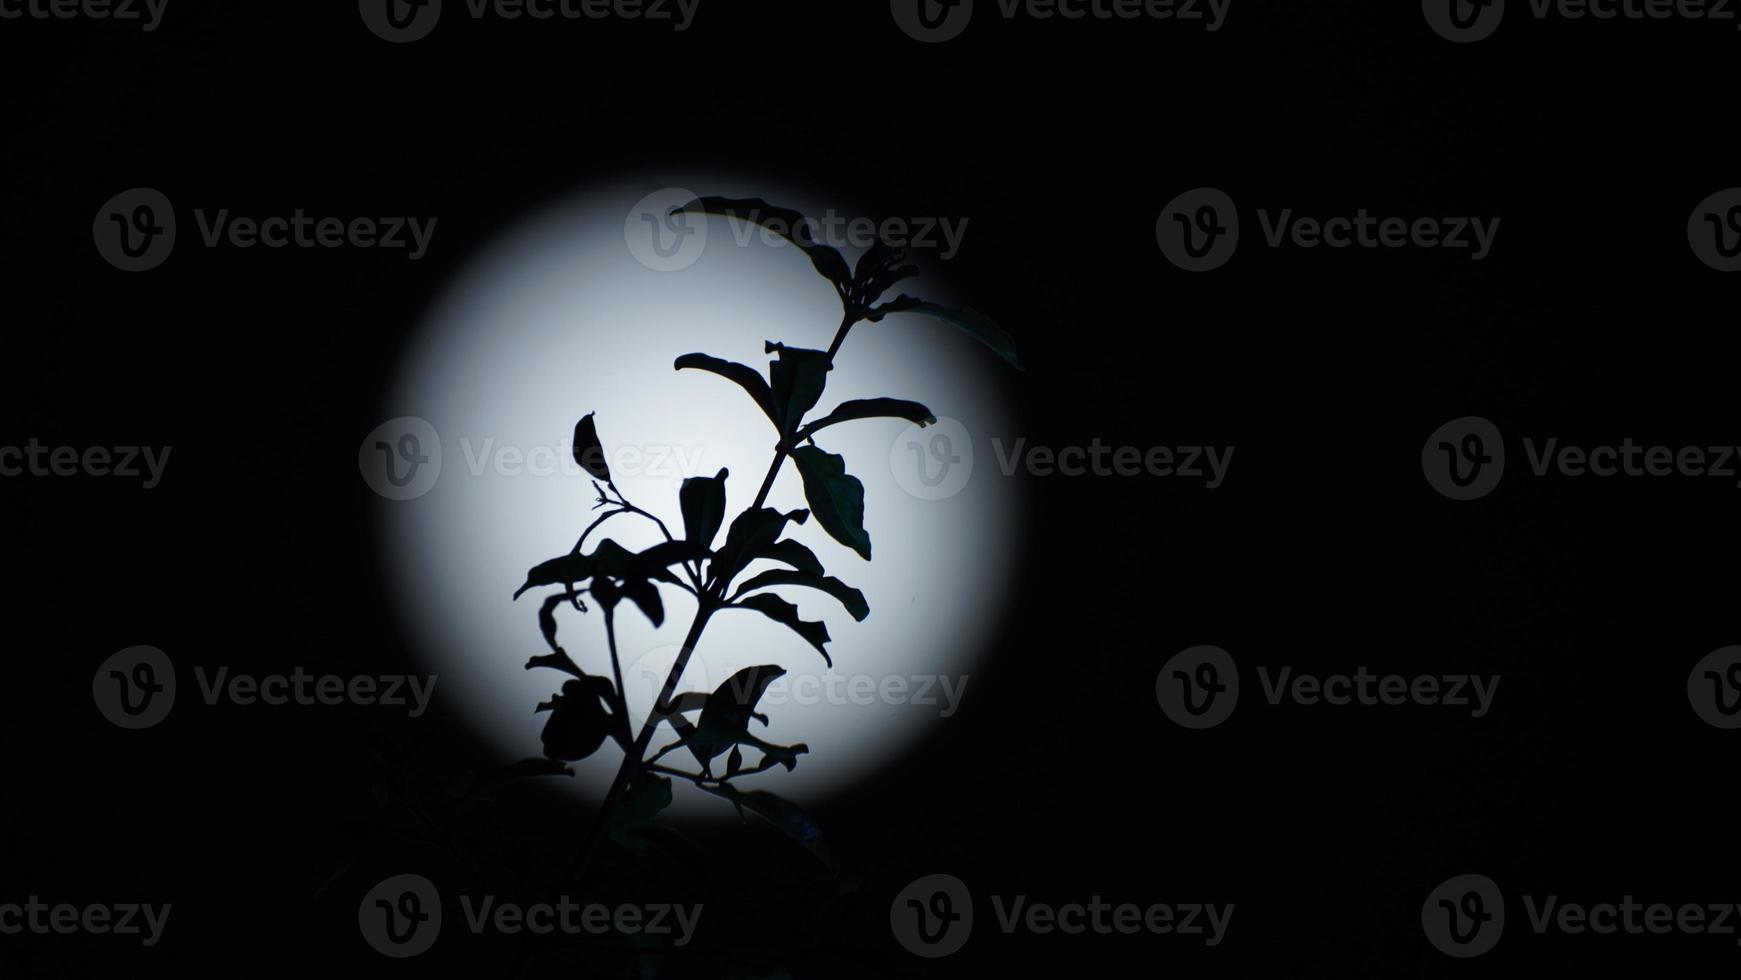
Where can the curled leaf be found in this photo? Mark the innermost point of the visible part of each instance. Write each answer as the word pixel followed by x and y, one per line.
pixel 587 450
pixel 849 597
pixel 786 614
pixel 743 376
pixel 870 408
pixel 785 222
pixel 789 552
pixel 971 322
pixel 751 534
pixel 836 498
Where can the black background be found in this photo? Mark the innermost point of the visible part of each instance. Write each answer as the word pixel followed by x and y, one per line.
pixel 1062 141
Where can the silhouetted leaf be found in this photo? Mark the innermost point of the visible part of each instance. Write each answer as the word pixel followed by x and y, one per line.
pixel 646 796
pixel 702 500
pixel 490 780
pixel 547 617
pixel 786 614
pixel 849 597
pixel 751 533
pixel 638 590
pixel 871 408
pixel 645 596
pixel 835 498
pixel 734 763
pixel 878 268
pixel 783 814
pixel 557 660
pixel 799 376
pixel 612 559
pixel 587 450
pixel 785 222
pixel 725 721
pixel 745 377
pixel 971 322
pixel 656 561
pixel 578 721
pixel 789 552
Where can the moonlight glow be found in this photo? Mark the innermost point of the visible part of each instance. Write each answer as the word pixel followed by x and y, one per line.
pixel 559 318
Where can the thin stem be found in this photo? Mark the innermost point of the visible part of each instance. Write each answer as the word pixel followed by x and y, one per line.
pixel 617 669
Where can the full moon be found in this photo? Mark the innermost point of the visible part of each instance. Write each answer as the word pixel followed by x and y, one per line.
pixel 582 307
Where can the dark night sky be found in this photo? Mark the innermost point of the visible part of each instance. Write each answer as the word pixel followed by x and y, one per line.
pixel 1063 141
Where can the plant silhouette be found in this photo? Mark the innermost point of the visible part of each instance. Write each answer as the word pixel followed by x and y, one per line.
pixel 590 709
